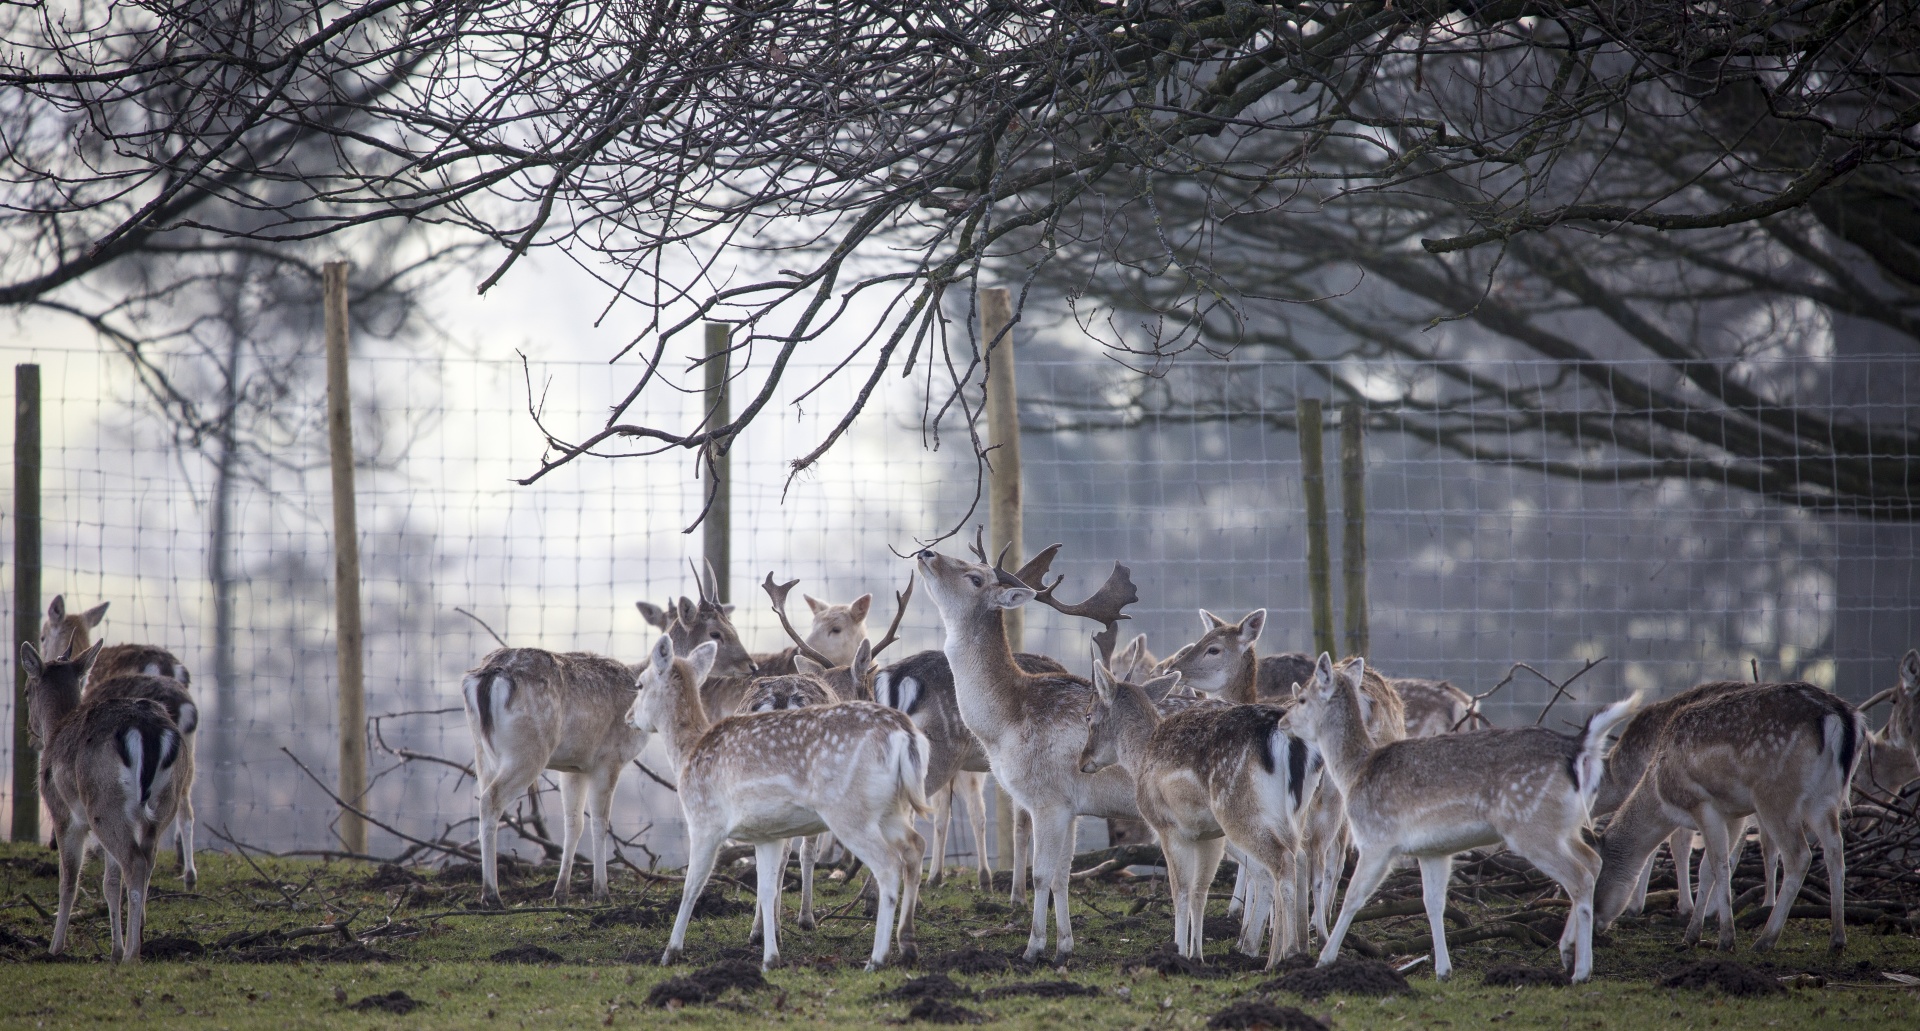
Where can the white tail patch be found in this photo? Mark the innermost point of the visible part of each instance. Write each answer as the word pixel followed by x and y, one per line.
pixel 189 717
pixel 907 754
pixel 1590 765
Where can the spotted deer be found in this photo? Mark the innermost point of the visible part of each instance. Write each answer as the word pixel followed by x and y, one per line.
pixel 1431 798
pixel 1032 726
pixel 854 768
pixel 1781 753
pixel 921 685
pixel 530 710
pixel 1206 777
pixel 107 774
pixel 1434 707
pixel 1892 759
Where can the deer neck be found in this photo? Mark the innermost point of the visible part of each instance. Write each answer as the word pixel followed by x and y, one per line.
pixel 1344 741
pixel 985 678
pixel 51 702
pixel 688 723
pixel 1637 828
pixel 1135 720
pixel 1243 684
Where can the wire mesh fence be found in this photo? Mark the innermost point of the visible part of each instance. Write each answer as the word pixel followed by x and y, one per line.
pixel 1191 477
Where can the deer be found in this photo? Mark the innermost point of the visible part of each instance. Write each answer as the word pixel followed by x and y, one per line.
pixel 1528 789
pixel 1206 777
pixel 1031 726
pixel 921 685
pixel 1782 753
pixel 1434 707
pixel 1892 759
pixel 68 633
pixel 107 774
pixel 531 710
pixel 854 768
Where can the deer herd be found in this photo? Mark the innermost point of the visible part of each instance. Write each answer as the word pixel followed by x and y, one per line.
pixel 1289 764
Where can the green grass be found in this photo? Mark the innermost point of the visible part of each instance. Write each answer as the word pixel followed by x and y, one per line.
pixel 445 965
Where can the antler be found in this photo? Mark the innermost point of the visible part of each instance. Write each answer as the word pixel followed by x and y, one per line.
pixel 900 599
pixel 778 592
pixel 1103 606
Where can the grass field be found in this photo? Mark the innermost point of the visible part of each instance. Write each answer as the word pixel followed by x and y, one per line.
pixel 249 951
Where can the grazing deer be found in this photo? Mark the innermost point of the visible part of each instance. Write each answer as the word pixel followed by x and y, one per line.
pixel 1204 778
pixel 1782 753
pixel 108 770
pixel 1432 798
pixel 531 710
pixel 921 685
pixel 854 768
pixel 1032 726
pixel 70 633
pixel 1892 759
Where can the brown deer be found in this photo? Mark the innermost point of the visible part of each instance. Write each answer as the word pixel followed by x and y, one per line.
pixel 1206 777
pixel 1781 753
pixel 107 771
pixel 854 768
pixel 1032 726
pixel 1434 707
pixel 1432 798
pixel 1892 759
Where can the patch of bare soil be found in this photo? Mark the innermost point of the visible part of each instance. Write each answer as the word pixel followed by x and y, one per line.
pixel 309 953
pixel 630 916
pixel 1343 977
pixel 1516 975
pixel 389 876
pixel 940 1011
pixel 1040 989
pixel 932 986
pixel 172 946
pixel 395 1001
pixel 970 960
pixel 707 983
pixel 1723 975
pixel 1222 928
pixel 11 940
pixel 1252 1014
pixel 715 902
pixel 1166 961
pixel 527 954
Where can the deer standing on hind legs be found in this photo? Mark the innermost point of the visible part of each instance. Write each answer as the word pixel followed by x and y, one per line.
pixel 855 768
pixel 1432 798
pixel 1032 726
pixel 1781 753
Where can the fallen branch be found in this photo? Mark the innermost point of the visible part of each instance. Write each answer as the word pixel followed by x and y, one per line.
pixel 463 853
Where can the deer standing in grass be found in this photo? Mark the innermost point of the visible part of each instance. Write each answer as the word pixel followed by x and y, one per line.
pixel 855 768
pixel 1432 798
pixel 70 633
pixel 1781 753
pixel 1032 726
pixel 107 772
pixel 1204 778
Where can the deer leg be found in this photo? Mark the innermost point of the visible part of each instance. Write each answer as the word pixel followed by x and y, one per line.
pixel 809 855
pixel 1177 852
pixel 183 837
pixel 73 857
pixel 509 780
pixel 111 881
pixel 1791 844
pixel 1207 852
pixel 971 788
pixel 1285 911
pixel 573 809
pixel 1715 835
pixel 1770 857
pixel 1833 852
pixel 1680 847
pixel 1259 903
pixel 703 848
pixel 769 860
pixel 138 871
pixel 942 802
pixel 1237 905
pixel 1052 869
pixel 754 934
pixel 1435 872
pixel 600 806
pixel 1575 867
pixel 1022 851
pixel 911 846
pixel 1367 875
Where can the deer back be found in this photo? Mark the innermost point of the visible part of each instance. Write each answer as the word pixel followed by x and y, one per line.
pixel 789 691
pixel 814 757
pixel 1278 674
pixel 117 758
pixel 1474 785
pixel 569 704
pixel 1771 745
pixel 1432 707
pixel 1640 738
pixel 1232 750
pixel 120 660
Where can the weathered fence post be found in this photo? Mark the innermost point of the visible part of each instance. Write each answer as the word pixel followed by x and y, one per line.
pixel 1003 494
pixel 716 531
pixel 1313 486
pixel 346 562
pixel 26 592
pixel 1353 536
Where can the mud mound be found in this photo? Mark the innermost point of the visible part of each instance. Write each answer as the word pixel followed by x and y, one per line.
pixel 1343 977
pixel 707 983
pixel 988 907
pixel 466 873
pixel 1222 928
pixel 527 954
pixel 1237 962
pixel 1249 1014
pixel 940 1011
pixel 714 902
pixel 1723 975
pixel 390 876
pixel 1041 989
pixel 630 916
pixel 932 986
pixel 1166 961
pixel 970 960
pixel 310 953
pixel 395 1001
pixel 171 946
pixel 1515 975
pixel 32 867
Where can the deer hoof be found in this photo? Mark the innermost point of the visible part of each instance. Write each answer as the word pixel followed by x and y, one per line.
pixel 670 956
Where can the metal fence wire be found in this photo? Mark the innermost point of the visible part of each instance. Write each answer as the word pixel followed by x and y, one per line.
pixel 1192 478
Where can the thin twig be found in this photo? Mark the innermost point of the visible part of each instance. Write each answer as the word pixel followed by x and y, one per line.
pixel 656 778
pixel 462 853
pixel 1560 689
pixel 483 626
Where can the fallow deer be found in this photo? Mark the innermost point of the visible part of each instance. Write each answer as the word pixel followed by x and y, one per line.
pixel 1433 707
pixel 530 710
pixel 107 771
pixel 1781 753
pixel 855 768
pixel 1032 726
pixel 1204 778
pixel 1432 798
pixel 1892 759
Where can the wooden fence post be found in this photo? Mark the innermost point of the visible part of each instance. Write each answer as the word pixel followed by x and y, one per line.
pixel 1313 486
pixel 346 562
pixel 1353 536
pixel 1003 494
pixel 26 592
pixel 716 531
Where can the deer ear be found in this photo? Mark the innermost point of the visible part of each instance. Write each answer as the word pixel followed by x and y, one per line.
pixel 862 657
pixel 808 666
pixel 87 657
pixel 861 606
pixel 1357 672
pixel 30 662
pixel 1160 687
pixel 1910 672
pixel 661 658
pixel 1208 621
pixel 94 615
pixel 702 660
pixel 653 614
pixel 814 603
pixel 727 610
pixel 1251 626
pixel 1009 597
pixel 57 608
pixel 687 610
pixel 1102 682
pixel 1323 676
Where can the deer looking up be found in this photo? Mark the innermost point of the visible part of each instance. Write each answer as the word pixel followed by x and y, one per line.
pixel 1893 752
pixel 1032 726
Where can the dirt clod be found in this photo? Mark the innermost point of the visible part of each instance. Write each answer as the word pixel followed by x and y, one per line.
pixel 707 983
pixel 171 946
pixel 1042 989
pixel 940 1011
pixel 389 876
pixel 1723 975
pixel 970 960
pixel 1343 977
pixel 1515 975
pixel 715 902
pixel 629 916
pixel 932 986
pixel 395 1001
pixel 527 954
pixel 311 952
pixel 1166 961
pixel 1248 1014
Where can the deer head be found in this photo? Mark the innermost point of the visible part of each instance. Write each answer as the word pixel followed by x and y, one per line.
pixel 669 691
pixel 1329 707
pixel 1119 713
pixel 1904 723
pixel 708 621
pixel 1224 652
pixel 966 592
pixel 66 632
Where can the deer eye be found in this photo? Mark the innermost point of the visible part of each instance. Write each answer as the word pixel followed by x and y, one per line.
pixel 835 630
pixel 1215 650
pixel 715 634
pixel 974 579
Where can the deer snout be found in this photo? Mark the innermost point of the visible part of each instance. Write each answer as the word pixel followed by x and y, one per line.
pixel 925 555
